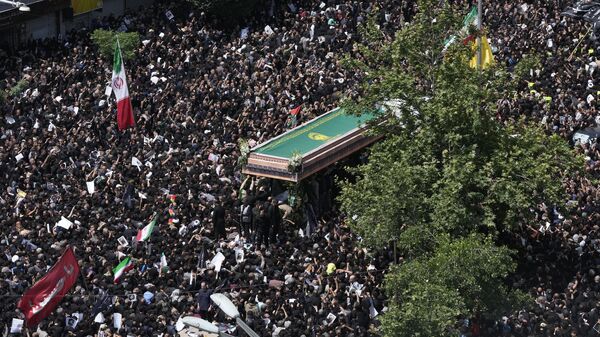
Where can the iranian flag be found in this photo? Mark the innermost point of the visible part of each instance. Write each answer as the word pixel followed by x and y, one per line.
pixel 144 233
pixel 123 267
pixel 119 86
pixel 469 20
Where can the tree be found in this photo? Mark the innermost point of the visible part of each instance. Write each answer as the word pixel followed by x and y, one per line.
pixel 107 39
pixel 447 167
pixel 433 290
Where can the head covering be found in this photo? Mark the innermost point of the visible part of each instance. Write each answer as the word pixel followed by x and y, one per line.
pixel 330 268
pixel 148 296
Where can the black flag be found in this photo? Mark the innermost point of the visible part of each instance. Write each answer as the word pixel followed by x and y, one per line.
pixel 104 302
pixel 584 10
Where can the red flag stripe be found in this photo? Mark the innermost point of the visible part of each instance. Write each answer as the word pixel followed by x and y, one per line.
pixel 125 114
pixel 296 110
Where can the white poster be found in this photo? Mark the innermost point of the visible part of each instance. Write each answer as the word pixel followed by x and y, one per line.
pixel 217 261
pixel 90 186
pixel 117 320
pixel 16 326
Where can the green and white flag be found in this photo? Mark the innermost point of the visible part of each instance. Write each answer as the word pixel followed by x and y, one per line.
pixel 163 261
pixel 470 19
pixel 144 233
pixel 123 267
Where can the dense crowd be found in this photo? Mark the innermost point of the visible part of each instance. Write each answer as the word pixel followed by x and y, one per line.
pixel 197 90
pixel 560 250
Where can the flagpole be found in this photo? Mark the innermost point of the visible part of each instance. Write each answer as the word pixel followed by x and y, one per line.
pixel 479 25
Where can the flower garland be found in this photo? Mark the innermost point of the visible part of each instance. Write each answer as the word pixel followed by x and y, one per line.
pixel 244 151
pixel 295 162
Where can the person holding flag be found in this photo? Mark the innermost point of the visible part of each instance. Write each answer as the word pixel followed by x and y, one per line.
pixel 122 268
pixel 144 233
pixel 119 86
pixel 41 299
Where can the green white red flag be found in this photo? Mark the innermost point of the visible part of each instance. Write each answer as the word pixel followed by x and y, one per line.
pixel 123 267
pixel 144 233
pixel 119 87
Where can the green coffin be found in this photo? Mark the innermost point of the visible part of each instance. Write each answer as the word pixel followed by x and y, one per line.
pixel 310 136
pixel 321 142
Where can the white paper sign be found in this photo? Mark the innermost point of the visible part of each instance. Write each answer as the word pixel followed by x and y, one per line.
pixel 217 261
pixel 16 326
pixel 239 255
pixel 122 241
pixel 64 223
pixel 136 162
pixel 331 318
pixel 373 312
pixel 108 91
pixel 99 318
pixel 19 157
pixel 90 186
pixel 73 320
pixel 269 30
pixel 244 33
pixel 117 320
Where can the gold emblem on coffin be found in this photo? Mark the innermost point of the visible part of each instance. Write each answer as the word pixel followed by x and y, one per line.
pixel 318 136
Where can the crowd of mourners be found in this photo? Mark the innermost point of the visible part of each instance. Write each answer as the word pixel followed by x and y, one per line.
pixel 197 89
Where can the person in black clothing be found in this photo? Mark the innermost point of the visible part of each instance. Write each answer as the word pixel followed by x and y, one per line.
pixel 218 219
pixel 203 300
pixel 275 217
pixel 263 225
pixel 245 218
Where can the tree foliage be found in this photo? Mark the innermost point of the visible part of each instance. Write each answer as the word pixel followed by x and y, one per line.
pixel 446 169
pixel 107 39
pixel 434 289
pixel 528 64
pixel 19 87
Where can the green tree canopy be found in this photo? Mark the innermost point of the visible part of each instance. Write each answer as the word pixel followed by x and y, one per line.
pixel 107 39
pixel 449 175
pixel 433 290
pixel 447 163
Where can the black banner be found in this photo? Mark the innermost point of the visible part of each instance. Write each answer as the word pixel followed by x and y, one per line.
pixel 584 10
